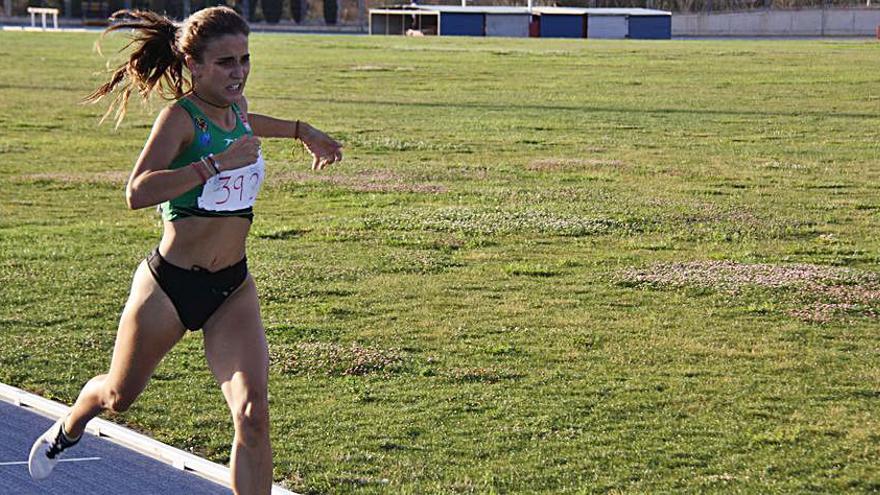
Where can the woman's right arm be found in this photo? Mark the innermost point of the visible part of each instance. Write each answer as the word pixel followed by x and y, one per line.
pixel 151 181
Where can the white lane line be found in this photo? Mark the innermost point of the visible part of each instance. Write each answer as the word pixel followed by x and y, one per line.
pixel 78 459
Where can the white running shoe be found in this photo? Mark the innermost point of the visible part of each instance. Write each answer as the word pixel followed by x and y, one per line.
pixel 46 451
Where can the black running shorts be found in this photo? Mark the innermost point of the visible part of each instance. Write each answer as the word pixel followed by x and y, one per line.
pixel 196 293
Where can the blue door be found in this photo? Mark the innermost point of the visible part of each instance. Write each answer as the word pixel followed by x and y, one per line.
pixel 461 24
pixel 650 27
pixel 562 26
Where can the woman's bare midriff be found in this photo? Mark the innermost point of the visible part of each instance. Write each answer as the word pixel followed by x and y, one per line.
pixel 208 242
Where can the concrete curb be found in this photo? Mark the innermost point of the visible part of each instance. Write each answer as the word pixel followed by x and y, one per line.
pixel 127 438
pixel 28 29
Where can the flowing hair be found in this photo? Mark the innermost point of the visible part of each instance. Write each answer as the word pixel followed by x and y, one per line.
pixel 156 63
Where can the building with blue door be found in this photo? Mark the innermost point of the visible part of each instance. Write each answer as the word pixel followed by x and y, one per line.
pixel 448 20
pixel 552 22
pixel 568 22
pixel 401 20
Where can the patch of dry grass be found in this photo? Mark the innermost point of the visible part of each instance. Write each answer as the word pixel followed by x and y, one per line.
pixel 732 276
pixel 367 181
pixel 498 221
pixel 108 178
pixel 819 294
pixel 333 359
pixel 480 375
pixel 570 164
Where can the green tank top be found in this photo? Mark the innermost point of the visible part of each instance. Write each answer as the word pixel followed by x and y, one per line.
pixel 228 194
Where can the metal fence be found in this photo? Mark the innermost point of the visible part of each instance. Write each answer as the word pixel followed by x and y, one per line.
pixel 675 5
pixel 351 11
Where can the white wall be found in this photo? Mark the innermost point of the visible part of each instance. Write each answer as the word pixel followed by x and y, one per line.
pixel 806 22
pixel 607 26
pixel 514 26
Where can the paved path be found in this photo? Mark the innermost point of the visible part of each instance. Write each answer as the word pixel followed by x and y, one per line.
pixel 94 467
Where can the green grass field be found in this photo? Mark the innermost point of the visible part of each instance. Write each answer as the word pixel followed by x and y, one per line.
pixel 544 266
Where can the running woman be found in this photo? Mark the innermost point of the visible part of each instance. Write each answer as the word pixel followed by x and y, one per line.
pixel 202 163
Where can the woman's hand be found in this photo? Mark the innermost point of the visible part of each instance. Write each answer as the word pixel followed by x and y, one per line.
pixel 323 148
pixel 244 151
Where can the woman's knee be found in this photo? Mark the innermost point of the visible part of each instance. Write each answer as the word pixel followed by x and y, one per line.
pixel 251 417
pixel 117 400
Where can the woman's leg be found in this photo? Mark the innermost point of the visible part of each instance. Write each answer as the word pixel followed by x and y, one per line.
pixel 148 329
pixel 235 345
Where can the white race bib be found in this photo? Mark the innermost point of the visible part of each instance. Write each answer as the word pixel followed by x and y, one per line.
pixel 232 190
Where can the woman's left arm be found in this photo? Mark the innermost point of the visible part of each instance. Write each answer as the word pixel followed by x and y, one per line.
pixel 324 149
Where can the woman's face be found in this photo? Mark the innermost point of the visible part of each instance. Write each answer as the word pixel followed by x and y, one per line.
pixel 222 73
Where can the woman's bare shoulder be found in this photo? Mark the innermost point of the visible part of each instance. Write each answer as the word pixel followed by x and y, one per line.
pixel 173 124
pixel 175 116
pixel 173 128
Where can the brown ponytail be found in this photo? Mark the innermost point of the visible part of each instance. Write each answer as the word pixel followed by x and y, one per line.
pixel 154 62
pixel 160 44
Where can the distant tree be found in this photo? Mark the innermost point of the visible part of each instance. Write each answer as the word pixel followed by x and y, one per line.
pixel 298 9
pixel 331 11
pixel 272 10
